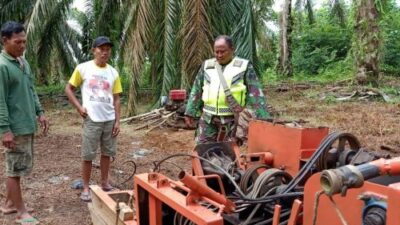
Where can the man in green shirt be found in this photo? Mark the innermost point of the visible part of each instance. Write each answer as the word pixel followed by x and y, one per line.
pixel 19 110
pixel 207 98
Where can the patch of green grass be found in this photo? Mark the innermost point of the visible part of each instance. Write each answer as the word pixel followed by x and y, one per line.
pixel 390 90
pixel 271 77
pixel 334 72
pixel 53 89
pixel 330 99
pixel 312 93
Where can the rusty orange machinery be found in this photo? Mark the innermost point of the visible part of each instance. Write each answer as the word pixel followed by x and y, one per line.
pixel 368 194
pixel 160 200
pixel 279 146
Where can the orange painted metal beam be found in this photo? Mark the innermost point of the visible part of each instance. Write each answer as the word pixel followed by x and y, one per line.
pixel 213 176
pixel 155 210
pixel 277 215
pixel 161 190
pixel 203 190
pixel 295 213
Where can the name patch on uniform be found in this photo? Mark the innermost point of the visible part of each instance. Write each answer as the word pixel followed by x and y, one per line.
pixel 210 65
pixel 237 63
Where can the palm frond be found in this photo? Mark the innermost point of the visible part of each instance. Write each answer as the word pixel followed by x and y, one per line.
pixel 43 26
pixel 127 29
pixel 49 28
pixel 244 34
pixel 41 10
pixel 67 48
pixel 106 22
pixel 170 75
pixel 15 10
pixel 155 48
pixel 88 30
pixel 224 15
pixel 196 38
pixel 135 52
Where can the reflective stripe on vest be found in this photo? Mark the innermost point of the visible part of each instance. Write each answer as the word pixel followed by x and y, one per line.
pixel 213 92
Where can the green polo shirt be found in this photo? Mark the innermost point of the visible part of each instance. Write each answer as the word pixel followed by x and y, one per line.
pixel 19 103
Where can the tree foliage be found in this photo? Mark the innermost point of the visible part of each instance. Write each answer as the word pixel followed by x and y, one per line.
pixel 320 45
pixel 177 36
pixel 52 44
pixel 390 23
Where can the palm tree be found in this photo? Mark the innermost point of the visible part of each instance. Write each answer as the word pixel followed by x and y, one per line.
pixel 284 63
pixel 50 37
pixel 367 41
pixel 176 36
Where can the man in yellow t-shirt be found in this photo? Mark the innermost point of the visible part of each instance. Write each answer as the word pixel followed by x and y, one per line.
pixel 100 109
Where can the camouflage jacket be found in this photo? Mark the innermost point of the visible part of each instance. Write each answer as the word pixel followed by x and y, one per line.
pixel 255 99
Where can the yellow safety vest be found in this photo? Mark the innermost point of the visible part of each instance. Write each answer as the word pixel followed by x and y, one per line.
pixel 213 91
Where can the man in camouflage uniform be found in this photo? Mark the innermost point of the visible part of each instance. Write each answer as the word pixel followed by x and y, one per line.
pixel 207 98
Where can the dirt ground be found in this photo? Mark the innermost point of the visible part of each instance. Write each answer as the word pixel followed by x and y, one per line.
pixel 57 163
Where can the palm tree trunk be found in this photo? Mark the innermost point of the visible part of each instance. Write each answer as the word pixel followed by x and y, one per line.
pixel 42 78
pixel 285 54
pixel 367 42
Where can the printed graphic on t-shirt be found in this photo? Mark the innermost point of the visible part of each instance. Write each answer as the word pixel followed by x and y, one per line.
pixel 100 88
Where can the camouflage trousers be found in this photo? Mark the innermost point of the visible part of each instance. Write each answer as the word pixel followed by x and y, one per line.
pixel 19 161
pixel 218 129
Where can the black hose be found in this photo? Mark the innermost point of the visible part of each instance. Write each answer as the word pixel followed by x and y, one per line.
pixel 253 212
pixel 270 198
pixel 301 174
pixel 326 142
pixel 132 174
pixel 157 165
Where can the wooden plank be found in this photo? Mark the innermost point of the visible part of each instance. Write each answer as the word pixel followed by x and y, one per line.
pixel 105 207
pixel 96 218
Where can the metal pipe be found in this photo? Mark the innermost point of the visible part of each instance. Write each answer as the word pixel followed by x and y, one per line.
pixel 203 190
pixel 338 180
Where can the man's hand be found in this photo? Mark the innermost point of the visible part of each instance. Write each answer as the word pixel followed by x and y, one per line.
pixel 189 121
pixel 83 112
pixel 44 124
pixel 115 130
pixel 8 140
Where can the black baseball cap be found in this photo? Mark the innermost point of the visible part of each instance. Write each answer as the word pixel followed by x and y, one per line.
pixel 102 40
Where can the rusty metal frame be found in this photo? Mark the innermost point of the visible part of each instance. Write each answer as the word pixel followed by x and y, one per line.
pixel 288 145
pixel 154 189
